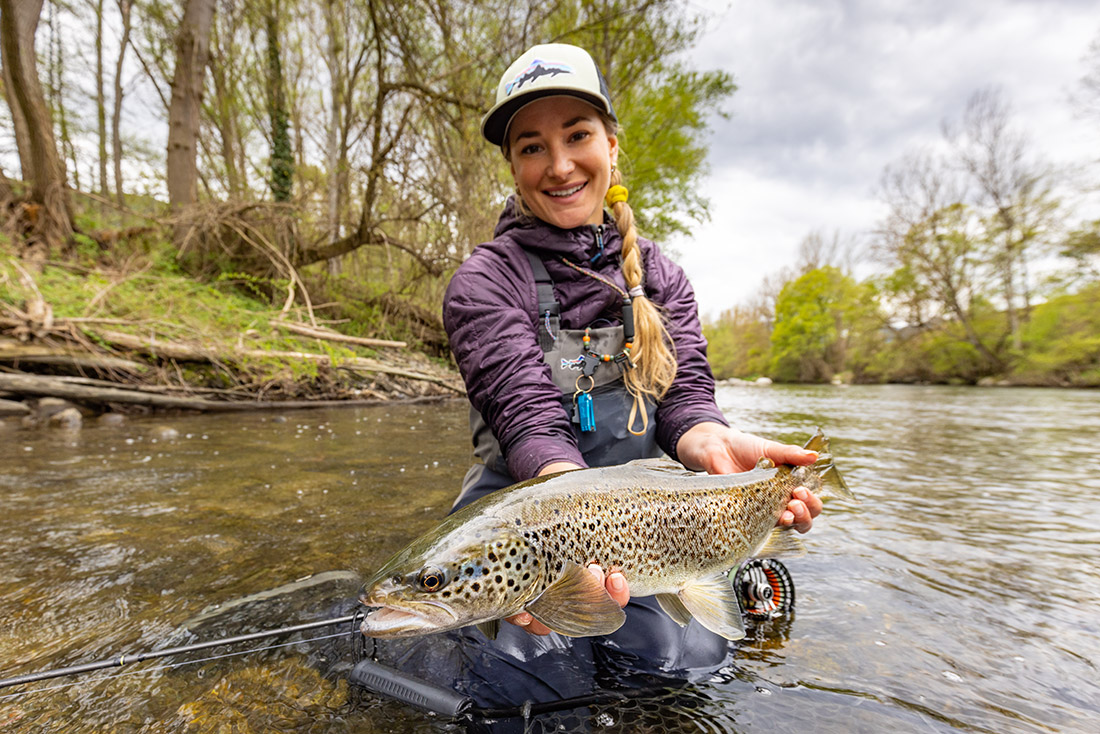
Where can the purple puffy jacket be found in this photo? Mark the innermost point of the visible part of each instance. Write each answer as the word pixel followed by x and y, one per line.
pixel 489 313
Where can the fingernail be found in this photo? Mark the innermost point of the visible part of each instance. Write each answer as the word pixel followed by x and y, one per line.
pixel 618 583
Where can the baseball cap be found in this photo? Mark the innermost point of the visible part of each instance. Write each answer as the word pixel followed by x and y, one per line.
pixel 543 71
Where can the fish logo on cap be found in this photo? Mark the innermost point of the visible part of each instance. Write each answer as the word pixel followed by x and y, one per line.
pixel 536 70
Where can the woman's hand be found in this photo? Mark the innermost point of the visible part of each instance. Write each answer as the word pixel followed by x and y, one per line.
pixel 718 449
pixel 614 582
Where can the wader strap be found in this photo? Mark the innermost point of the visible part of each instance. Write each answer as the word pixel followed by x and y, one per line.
pixel 639 403
pixel 549 317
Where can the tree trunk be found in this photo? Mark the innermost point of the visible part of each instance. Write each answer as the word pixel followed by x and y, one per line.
pixel 192 49
pixel 124 7
pixel 22 134
pixel 42 167
pixel 282 157
pixel 334 52
pixel 100 101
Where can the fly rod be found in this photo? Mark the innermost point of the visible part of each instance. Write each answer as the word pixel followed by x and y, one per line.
pixel 128 658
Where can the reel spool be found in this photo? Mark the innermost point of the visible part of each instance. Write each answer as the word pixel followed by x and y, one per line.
pixel 764 588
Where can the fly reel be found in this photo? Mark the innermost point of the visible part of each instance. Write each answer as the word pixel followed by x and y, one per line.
pixel 764 588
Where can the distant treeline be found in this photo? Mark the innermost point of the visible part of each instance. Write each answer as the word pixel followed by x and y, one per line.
pixel 982 276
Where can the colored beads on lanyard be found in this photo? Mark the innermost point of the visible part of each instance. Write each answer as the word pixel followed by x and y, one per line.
pixel 622 359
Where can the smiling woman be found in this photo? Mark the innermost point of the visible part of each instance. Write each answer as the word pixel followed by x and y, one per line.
pixel 580 345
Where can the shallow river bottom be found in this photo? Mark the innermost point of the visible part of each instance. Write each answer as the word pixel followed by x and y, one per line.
pixel 961 595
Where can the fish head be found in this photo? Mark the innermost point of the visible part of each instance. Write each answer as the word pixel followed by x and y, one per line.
pixel 438 584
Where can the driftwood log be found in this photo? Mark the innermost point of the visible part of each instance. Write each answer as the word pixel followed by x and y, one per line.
pixel 188 353
pixel 42 386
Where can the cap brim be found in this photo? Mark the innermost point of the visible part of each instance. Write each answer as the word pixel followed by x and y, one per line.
pixel 494 126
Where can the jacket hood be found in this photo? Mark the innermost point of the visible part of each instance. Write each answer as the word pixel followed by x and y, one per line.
pixel 577 244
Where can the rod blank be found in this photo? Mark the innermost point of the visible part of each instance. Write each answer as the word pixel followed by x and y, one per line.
pixel 128 658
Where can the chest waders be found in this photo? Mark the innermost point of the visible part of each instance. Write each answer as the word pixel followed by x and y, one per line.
pixel 517 666
pixel 593 395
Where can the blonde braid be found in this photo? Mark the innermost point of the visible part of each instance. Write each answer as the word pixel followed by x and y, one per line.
pixel 653 352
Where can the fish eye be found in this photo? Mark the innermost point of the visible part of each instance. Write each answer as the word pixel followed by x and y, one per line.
pixel 431 579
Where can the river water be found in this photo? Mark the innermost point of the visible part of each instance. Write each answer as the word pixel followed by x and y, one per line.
pixel 963 594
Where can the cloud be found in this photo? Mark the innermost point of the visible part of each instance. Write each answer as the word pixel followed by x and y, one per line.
pixel 831 91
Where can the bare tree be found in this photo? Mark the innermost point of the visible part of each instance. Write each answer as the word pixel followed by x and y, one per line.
pixel 932 242
pixel 1014 188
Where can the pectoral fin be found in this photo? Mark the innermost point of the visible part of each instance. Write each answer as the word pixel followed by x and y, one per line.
pixel 489 628
pixel 781 542
pixel 673 607
pixel 577 605
pixel 713 602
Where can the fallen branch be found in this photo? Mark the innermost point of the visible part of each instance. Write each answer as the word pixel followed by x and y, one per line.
pixel 23 354
pixel 50 387
pixel 187 353
pixel 335 336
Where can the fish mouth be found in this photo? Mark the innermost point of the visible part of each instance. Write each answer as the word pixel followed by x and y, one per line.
pixel 389 620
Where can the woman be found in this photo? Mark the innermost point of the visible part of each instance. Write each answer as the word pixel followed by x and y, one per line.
pixel 579 342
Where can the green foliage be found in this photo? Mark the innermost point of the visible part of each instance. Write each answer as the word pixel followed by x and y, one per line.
pixel 738 344
pixel 1062 340
pixel 664 106
pixel 812 318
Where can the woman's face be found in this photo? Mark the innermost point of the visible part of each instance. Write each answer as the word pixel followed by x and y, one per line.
pixel 561 156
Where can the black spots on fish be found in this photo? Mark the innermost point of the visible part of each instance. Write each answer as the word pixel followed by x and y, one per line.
pixel 498 578
pixel 469 571
pixel 512 551
pixel 518 521
pixel 557 511
pixel 476 587
pixel 492 557
pixel 485 571
pixel 526 576
pixel 511 583
pixel 446 594
pixel 507 564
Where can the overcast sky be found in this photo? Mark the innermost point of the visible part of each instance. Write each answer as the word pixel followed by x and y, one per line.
pixel 831 91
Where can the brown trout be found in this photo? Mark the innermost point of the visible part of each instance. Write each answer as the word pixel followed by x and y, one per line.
pixel 673 533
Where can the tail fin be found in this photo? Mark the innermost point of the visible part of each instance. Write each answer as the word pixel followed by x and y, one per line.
pixel 824 467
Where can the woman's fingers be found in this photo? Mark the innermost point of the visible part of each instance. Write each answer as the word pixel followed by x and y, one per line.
pixel 803 507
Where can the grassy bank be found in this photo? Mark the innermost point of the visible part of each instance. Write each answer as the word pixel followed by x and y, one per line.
pixel 129 314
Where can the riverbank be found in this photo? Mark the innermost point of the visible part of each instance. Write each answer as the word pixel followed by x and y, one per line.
pixel 83 338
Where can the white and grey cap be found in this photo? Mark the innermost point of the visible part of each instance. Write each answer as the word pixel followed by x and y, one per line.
pixel 543 71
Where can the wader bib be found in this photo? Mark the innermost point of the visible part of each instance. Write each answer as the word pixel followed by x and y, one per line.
pixel 611 442
pixel 518 666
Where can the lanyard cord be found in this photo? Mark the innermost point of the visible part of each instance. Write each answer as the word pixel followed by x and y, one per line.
pixel 597 276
